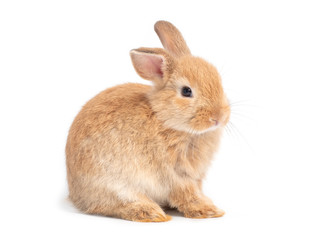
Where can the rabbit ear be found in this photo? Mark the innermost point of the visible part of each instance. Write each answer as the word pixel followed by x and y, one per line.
pixel 151 63
pixel 171 39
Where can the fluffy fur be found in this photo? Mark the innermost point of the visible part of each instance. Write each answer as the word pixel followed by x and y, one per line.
pixel 134 148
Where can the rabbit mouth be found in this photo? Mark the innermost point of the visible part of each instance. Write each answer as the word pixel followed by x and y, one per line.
pixel 203 124
pixel 207 124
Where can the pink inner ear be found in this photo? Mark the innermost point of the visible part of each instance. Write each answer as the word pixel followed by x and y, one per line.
pixel 154 64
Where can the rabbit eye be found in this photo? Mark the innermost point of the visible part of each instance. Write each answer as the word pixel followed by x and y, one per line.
pixel 186 92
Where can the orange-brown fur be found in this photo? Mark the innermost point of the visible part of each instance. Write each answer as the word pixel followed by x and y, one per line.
pixel 134 148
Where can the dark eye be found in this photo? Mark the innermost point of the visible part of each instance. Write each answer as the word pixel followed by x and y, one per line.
pixel 186 92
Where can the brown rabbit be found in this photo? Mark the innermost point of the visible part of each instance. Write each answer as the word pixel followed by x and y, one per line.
pixel 134 147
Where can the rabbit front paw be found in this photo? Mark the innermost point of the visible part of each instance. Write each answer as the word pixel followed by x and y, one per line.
pixel 203 211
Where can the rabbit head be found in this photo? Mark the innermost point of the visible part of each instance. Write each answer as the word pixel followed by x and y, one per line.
pixel 187 93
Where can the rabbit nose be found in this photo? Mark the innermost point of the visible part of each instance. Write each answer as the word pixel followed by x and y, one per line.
pixel 215 122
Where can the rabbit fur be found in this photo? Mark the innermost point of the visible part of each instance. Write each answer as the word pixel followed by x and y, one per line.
pixel 134 149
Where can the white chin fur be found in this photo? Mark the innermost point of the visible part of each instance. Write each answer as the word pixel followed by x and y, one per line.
pixel 210 129
pixel 185 128
pixel 193 131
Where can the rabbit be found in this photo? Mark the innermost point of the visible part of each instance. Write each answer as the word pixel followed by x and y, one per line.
pixel 135 149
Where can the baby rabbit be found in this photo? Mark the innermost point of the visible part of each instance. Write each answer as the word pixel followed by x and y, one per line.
pixel 134 148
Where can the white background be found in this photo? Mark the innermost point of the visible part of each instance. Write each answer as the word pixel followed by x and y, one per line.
pixel 56 55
